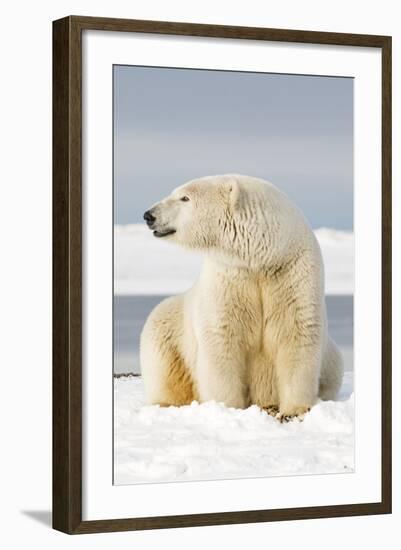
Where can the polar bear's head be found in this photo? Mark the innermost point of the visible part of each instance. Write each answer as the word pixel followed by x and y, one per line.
pixel 193 214
pixel 235 216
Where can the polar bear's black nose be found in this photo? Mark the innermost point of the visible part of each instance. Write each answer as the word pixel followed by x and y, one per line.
pixel 148 217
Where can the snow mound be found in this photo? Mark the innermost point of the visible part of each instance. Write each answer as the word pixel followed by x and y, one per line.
pixel 338 257
pixel 211 441
pixel 145 265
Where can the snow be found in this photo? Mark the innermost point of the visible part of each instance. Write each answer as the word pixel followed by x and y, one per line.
pixel 146 265
pixel 211 441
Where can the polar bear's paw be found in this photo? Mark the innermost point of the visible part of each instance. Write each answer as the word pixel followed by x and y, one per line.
pixel 272 410
pixel 299 415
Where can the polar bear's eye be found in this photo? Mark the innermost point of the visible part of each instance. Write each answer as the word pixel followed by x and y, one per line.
pixel 184 198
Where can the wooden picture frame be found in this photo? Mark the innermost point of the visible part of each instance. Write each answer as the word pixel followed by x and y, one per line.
pixel 67 273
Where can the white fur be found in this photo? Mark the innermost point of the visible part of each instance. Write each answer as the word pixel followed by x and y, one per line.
pixel 253 328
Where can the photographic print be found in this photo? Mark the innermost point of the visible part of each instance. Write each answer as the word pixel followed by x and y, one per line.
pixel 221 274
pixel 233 274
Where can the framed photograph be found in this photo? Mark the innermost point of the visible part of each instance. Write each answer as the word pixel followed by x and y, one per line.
pixel 221 274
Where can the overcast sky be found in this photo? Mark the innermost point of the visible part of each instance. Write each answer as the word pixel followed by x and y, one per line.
pixel 173 125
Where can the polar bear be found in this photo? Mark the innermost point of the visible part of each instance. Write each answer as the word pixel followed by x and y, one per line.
pixel 253 328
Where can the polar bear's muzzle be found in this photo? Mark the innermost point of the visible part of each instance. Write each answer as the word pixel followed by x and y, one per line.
pixel 151 220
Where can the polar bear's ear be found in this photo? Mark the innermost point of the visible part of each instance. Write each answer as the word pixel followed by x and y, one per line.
pixel 233 189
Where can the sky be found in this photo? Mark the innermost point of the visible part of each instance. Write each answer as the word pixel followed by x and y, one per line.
pixel 173 125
